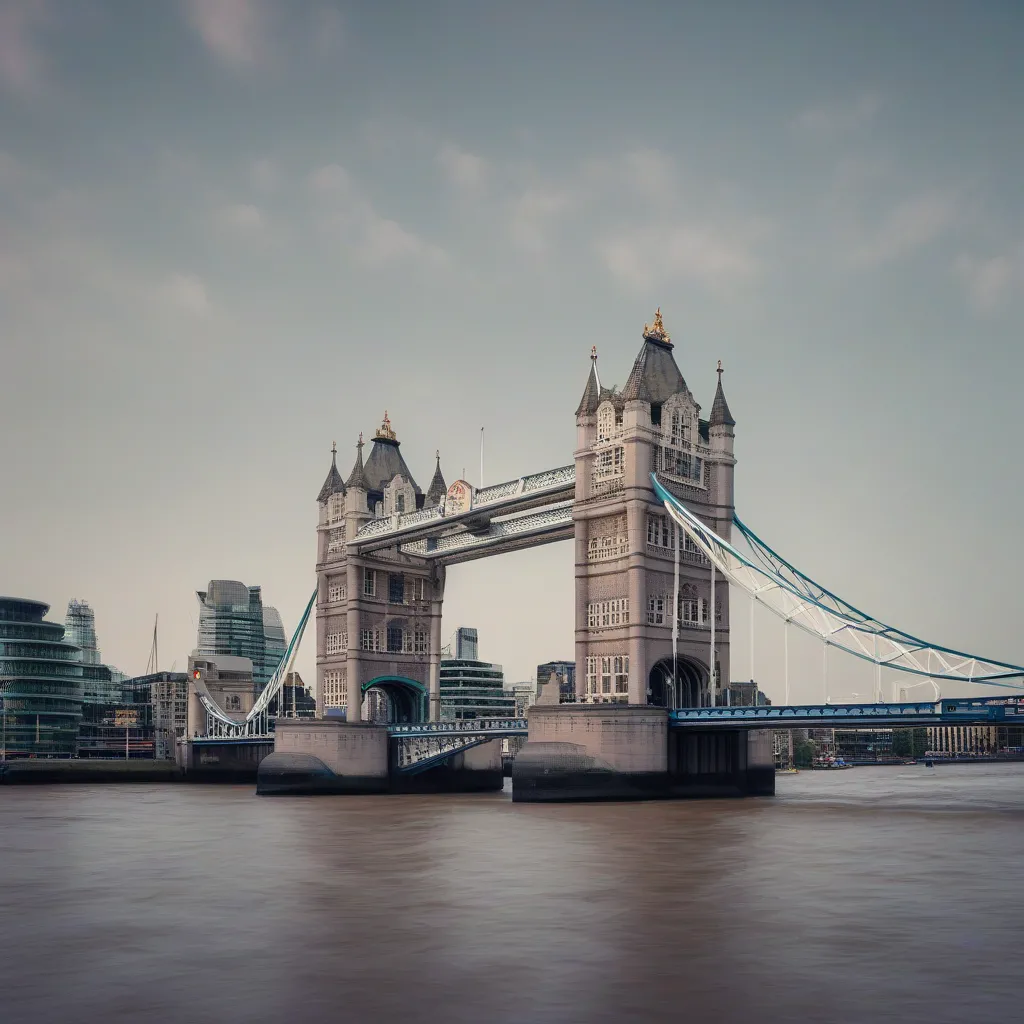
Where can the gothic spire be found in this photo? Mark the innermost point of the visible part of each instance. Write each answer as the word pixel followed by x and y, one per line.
pixel 720 415
pixel 438 488
pixel 357 478
pixel 592 392
pixel 333 484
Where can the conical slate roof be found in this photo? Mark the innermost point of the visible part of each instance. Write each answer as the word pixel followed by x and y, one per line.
pixel 592 392
pixel 333 484
pixel 357 478
pixel 720 415
pixel 386 462
pixel 655 376
pixel 438 488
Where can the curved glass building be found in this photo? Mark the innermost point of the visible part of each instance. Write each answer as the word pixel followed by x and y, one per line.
pixel 233 620
pixel 40 680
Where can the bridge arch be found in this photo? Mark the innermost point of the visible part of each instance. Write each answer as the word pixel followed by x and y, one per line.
pixel 407 698
pixel 691 683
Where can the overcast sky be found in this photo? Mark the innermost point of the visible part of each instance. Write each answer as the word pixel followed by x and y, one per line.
pixel 233 231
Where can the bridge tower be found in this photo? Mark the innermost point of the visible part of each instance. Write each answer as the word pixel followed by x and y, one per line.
pixel 378 615
pixel 626 544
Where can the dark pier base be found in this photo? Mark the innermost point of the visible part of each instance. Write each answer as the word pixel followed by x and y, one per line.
pixel 719 764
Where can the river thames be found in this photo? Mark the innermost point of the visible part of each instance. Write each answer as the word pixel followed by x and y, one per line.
pixel 878 894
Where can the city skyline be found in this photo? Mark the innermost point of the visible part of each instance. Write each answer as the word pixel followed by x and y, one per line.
pixel 202 299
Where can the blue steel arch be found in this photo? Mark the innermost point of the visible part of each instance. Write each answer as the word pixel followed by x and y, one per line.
pixel 407 697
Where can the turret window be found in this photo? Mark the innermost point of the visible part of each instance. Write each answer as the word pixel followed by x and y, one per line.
pixel 369 583
pixel 337 643
pixel 335 592
pixel 335 688
pixel 605 421
pixel 602 614
pixel 607 678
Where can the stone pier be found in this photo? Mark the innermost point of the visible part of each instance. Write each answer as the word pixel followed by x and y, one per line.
pixel 628 752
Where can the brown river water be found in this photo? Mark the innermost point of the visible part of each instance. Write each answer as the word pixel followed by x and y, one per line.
pixel 876 894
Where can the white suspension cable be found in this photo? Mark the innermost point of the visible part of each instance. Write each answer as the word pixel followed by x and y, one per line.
pixel 794 597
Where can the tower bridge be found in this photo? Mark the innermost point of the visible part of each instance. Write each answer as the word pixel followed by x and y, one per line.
pixel 648 503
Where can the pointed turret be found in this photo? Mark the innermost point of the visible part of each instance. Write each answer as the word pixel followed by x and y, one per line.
pixel 438 488
pixel 357 478
pixel 720 415
pixel 592 392
pixel 333 484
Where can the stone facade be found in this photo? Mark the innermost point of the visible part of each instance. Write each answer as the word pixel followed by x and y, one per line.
pixel 626 544
pixel 378 616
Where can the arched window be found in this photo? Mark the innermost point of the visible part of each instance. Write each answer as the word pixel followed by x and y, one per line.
pixel 605 421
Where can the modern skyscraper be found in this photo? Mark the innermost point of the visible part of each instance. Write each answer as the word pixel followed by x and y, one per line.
pixel 80 629
pixel 466 643
pixel 40 683
pixel 233 621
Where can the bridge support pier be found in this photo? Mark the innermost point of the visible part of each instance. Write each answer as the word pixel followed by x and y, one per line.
pixel 628 752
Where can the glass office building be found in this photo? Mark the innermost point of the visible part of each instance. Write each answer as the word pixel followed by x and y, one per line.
pixel 233 621
pixel 474 689
pixel 41 682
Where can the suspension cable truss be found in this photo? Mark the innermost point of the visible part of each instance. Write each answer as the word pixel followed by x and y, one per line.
pixel 257 722
pixel 795 598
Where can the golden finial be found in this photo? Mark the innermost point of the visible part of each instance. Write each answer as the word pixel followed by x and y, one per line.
pixel 359 443
pixel 656 331
pixel 385 432
pixel 719 371
pixel 593 353
pixel 334 448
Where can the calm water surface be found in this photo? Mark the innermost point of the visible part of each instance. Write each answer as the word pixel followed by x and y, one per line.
pixel 886 894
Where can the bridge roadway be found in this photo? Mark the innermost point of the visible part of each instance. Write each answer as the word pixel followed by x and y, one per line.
pixel 949 711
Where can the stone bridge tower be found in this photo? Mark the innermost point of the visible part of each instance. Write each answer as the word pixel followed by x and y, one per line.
pixel 378 615
pixel 626 543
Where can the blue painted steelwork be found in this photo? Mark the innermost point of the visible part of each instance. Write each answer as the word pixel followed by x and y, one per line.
pixel 434 759
pixel 470 727
pixel 797 599
pixel 408 697
pixel 974 711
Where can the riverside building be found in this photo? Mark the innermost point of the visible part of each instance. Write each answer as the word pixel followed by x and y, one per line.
pixel 41 683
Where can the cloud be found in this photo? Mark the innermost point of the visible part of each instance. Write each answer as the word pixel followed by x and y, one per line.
pixel 907 226
pixel 646 257
pixel 832 120
pixel 240 217
pixel 991 281
pixel 533 215
pixel 186 292
pixel 463 170
pixel 347 214
pixel 263 175
pixel 22 62
pixel 236 32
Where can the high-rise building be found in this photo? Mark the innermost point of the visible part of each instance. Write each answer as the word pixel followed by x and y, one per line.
pixel 467 643
pixel 233 621
pixel 80 630
pixel 565 671
pixel 40 682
